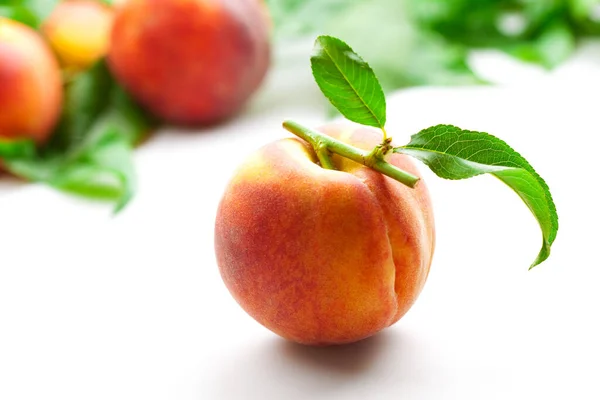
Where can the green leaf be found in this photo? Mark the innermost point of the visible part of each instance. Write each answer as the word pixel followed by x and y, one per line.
pixel 348 82
pixel 303 17
pixel 584 16
pixel 19 13
pixel 87 97
pixel 453 153
pixel 553 46
pixel 104 171
pixel 427 42
pixel 29 12
pixel 16 148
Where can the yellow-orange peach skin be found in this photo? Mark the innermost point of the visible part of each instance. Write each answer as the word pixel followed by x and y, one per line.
pixel 79 31
pixel 323 256
pixel 30 84
pixel 191 62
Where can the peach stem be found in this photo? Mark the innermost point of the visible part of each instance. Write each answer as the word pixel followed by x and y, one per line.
pixel 324 145
pixel 324 155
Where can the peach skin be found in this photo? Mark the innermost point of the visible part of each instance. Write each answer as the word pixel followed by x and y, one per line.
pixel 323 256
pixel 31 89
pixel 191 62
pixel 79 31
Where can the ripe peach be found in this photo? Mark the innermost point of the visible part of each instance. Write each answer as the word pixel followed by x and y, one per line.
pixel 30 84
pixel 79 31
pixel 323 256
pixel 191 61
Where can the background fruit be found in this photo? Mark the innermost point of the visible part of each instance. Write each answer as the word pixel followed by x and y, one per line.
pixel 321 256
pixel 79 31
pixel 191 61
pixel 30 84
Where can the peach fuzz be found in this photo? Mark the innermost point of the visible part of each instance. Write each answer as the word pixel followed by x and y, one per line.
pixel 79 31
pixel 30 84
pixel 323 256
pixel 191 62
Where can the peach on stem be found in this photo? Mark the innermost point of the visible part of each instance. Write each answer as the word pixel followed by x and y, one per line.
pixel 324 256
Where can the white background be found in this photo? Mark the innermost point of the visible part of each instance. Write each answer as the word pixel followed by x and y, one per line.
pixel 132 307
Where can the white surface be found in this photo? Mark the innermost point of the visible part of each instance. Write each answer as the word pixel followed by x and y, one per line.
pixel 132 307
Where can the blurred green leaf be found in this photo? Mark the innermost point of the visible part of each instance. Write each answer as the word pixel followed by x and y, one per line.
pixel 549 49
pixel 29 12
pixel 304 17
pixel 427 42
pixel 586 16
pixel 16 148
pixel 87 96
pixel 19 13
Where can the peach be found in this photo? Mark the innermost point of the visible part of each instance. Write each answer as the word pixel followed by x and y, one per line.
pixel 79 31
pixel 30 84
pixel 191 62
pixel 323 256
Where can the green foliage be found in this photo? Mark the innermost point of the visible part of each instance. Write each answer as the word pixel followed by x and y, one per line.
pixel 29 12
pixel 453 153
pixel 542 31
pixel 32 12
pixel 16 148
pixel 348 82
pixel 400 53
pixel 426 42
pixel 90 153
pixel 303 17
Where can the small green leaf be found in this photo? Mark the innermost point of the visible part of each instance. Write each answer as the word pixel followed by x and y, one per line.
pixel 86 98
pixel 16 148
pixel 453 153
pixel 104 170
pixel 348 82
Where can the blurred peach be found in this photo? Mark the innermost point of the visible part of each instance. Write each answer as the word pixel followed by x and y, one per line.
pixel 31 89
pixel 79 32
pixel 191 61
